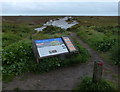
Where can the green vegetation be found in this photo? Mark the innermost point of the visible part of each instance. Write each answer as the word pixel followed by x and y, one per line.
pixel 115 52
pixel 18 58
pixel 101 38
pixel 17 53
pixel 108 30
pixel 15 32
pixel 53 30
pixel 16 89
pixel 88 21
pixel 88 85
pixel 97 40
pixel 69 20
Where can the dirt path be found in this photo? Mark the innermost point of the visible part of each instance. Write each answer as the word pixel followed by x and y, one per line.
pixel 110 72
pixel 63 78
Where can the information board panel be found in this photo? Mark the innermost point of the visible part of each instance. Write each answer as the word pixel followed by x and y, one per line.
pixel 69 44
pixel 49 47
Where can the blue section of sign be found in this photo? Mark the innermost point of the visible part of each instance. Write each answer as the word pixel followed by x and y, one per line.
pixel 48 40
pixel 49 47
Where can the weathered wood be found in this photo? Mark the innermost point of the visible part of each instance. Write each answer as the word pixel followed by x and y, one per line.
pixel 37 60
pixel 35 51
pixel 97 71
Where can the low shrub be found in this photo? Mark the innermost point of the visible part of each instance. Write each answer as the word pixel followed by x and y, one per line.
pixel 87 85
pixel 15 32
pixel 9 38
pixel 53 30
pixel 18 58
pixel 97 40
pixel 108 29
pixel 73 28
pixel 16 28
pixel 41 36
pixel 114 53
pixel 105 44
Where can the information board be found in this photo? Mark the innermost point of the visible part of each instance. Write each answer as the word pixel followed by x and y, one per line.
pixel 69 44
pixel 49 47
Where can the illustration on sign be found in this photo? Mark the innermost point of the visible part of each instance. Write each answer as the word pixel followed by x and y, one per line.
pixel 69 44
pixel 50 47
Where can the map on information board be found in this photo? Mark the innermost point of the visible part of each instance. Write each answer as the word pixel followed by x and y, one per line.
pixel 49 47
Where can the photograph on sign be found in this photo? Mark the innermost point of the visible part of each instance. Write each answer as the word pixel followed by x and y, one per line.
pixel 69 44
pixel 49 47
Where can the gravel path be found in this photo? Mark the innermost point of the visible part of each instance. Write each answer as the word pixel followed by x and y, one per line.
pixel 62 78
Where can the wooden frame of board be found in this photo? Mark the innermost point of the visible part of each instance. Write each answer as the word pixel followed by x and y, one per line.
pixel 37 56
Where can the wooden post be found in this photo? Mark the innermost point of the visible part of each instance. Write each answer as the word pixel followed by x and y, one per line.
pixel 37 60
pixel 35 51
pixel 97 72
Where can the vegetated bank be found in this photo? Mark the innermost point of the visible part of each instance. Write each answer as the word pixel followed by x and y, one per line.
pixel 101 34
pixel 17 53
